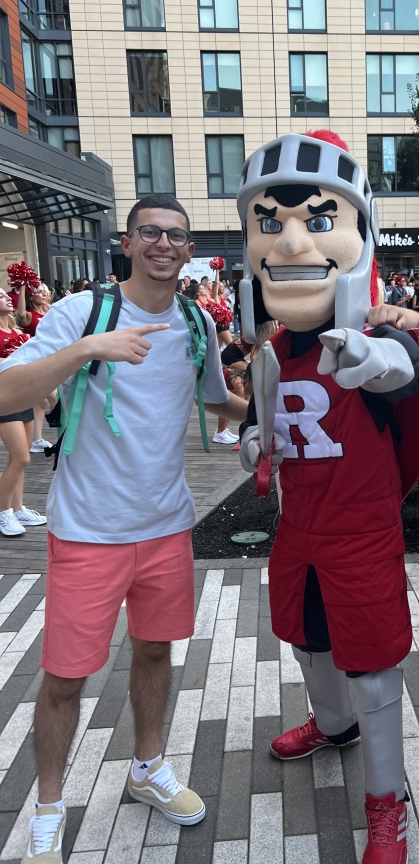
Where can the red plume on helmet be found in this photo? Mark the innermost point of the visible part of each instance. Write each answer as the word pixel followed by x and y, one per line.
pixel 333 138
pixel 330 137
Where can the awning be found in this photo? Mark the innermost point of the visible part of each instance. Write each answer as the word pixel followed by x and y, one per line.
pixel 39 183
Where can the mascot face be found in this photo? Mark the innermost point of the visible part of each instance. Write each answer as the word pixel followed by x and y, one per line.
pixel 299 240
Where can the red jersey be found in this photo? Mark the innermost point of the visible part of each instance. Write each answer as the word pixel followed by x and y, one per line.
pixel 31 328
pixel 341 503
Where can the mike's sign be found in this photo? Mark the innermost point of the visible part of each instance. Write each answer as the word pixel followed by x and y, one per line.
pixel 402 239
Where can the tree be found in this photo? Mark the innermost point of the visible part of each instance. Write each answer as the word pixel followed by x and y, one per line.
pixel 413 91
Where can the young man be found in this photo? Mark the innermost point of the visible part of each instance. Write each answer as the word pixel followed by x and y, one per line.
pixel 119 511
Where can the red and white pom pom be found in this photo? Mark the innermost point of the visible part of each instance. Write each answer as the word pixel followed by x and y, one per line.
pixel 22 275
pixel 217 263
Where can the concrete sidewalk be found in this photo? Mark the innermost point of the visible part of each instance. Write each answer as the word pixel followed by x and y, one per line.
pixel 234 687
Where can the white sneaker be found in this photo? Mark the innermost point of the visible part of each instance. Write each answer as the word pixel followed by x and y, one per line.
pixel 232 435
pixel 225 437
pixel 29 517
pixel 39 445
pixel 45 836
pixel 9 525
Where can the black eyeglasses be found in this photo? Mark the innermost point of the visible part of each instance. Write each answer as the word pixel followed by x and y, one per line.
pixel 152 234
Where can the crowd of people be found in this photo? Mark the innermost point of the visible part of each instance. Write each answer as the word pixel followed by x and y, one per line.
pixel 402 290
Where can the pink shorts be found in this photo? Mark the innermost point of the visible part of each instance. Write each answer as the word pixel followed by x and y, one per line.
pixel 86 585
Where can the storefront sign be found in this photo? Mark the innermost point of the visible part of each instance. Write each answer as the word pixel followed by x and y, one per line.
pixel 7 258
pixel 406 239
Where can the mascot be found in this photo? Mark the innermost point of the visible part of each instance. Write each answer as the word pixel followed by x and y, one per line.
pixel 337 581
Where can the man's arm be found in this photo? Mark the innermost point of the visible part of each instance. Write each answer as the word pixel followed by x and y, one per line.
pixel 25 385
pixel 235 408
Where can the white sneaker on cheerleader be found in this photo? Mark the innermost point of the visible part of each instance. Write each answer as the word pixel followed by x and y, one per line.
pixel 224 437
pixel 9 525
pixel 29 517
pixel 39 445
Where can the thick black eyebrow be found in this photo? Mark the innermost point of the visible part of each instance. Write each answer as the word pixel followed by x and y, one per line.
pixel 262 211
pixel 328 205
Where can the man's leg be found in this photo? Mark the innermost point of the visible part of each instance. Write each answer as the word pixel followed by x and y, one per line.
pixel 56 718
pixel 149 691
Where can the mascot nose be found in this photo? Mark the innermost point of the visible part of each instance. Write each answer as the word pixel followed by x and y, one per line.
pixel 294 238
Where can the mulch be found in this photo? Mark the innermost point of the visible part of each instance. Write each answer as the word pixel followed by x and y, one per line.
pixel 242 511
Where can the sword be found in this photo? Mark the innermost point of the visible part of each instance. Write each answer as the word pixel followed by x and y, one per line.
pixel 265 377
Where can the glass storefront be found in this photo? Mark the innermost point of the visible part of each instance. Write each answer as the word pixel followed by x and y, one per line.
pixel 398 251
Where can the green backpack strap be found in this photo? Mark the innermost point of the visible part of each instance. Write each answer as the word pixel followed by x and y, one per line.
pixel 200 342
pixel 78 392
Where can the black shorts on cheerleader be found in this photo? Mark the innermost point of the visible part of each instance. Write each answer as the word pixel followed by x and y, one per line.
pixel 220 329
pixel 23 416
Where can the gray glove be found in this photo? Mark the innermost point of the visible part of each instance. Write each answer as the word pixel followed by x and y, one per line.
pixel 250 450
pixel 356 360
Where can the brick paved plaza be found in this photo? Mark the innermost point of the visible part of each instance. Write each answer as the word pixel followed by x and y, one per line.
pixel 234 687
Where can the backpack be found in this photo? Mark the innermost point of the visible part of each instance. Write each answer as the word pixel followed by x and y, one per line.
pixel 103 319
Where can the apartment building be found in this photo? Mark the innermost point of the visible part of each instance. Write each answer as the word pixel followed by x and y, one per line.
pixel 174 94
pixel 46 189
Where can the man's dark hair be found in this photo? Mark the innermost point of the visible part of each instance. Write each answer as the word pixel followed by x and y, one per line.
pixel 157 200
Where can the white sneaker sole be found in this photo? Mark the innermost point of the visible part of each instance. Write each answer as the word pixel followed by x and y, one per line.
pixel 32 524
pixel 173 817
pixel 17 534
pixel 314 750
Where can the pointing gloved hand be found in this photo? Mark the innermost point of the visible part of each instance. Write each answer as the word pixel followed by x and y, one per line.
pixel 250 450
pixel 356 360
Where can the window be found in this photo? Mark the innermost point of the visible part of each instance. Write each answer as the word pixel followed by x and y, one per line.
pixel 64 137
pixel 8 117
pixel 393 163
pixel 154 170
pixel 46 14
pixel 218 15
pixel 385 15
pixel 221 83
pixel 308 83
pixel 307 14
pixel 74 228
pixel 148 76
pixel 144 15
pixel 225 158
pixel 387 78
pixel 49 76
pixel 6 76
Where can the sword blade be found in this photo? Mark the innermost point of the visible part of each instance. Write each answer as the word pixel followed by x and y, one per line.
pixel 265 377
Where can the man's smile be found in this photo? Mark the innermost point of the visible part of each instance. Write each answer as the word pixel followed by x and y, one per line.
pixel 298 272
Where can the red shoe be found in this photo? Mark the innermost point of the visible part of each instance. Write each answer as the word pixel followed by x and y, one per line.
pixel 387 828
pixel 303 740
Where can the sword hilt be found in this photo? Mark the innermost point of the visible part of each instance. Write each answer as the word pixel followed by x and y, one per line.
pixel 263 474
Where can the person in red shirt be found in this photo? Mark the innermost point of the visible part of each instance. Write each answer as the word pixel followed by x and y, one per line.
pixel 30 310
pixel 16 435
pixel 337 582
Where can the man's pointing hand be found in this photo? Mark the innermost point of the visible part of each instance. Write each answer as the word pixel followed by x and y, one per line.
pixel 128 344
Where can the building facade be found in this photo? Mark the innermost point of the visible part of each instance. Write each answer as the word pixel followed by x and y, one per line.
pixel 174 95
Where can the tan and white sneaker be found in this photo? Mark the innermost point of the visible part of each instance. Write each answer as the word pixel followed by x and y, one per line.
pixel 45 836
pixel 161 789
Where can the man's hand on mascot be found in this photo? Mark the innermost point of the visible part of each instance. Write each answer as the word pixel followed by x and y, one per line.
pixel 395 316
pixel 250 450
pixel 356 360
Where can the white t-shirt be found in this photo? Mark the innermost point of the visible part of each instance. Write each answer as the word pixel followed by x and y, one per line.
pixel 132 488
